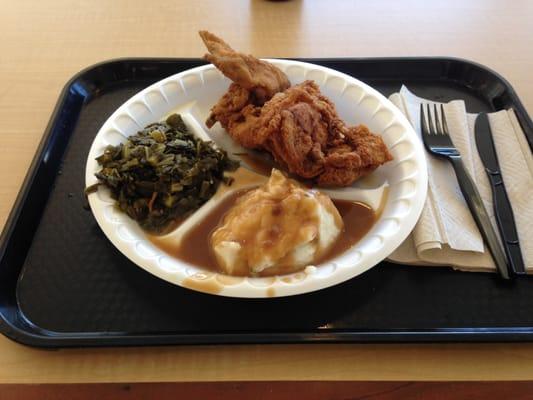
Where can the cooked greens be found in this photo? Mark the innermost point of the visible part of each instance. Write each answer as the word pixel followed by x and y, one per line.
pixel 162 173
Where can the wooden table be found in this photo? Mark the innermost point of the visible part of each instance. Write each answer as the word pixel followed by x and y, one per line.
pixel 42 44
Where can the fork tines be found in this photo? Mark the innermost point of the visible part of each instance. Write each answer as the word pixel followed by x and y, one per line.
pixel 437 123
pixel 435 132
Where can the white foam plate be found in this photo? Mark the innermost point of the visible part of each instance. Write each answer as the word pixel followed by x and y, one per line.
pixel 192 93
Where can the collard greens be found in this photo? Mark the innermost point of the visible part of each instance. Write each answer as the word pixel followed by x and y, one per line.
pixel 162 173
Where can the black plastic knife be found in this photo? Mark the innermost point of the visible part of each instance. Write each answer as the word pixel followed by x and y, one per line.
pixel 502 206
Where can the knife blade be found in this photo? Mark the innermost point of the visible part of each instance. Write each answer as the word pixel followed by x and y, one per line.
pixel 502 206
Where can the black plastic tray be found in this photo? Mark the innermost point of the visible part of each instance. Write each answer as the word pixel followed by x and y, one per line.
pixel 62 283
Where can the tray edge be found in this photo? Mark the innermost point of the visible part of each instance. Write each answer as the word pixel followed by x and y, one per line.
pixel 74 340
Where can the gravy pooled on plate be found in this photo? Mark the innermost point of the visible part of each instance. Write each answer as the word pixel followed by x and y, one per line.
pixel 195 247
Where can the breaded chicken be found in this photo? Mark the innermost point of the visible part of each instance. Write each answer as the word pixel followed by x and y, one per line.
pixel 262 79
pixel 301 129
pixel 298 125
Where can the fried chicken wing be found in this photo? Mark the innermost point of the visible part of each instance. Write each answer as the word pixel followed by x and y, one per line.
pixel 259 77
pixel 298 125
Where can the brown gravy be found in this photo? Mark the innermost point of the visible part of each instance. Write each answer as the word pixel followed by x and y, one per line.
pixel 194 249
pixel 207 286
pixel 358 218
pixel 262 164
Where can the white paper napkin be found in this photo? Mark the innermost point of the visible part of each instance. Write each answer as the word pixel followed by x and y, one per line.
pixel 446 233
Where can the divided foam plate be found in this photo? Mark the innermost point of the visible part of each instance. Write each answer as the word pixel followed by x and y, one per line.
pixel 192 93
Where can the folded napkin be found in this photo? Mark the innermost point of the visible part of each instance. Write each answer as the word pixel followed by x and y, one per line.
pixel 446 233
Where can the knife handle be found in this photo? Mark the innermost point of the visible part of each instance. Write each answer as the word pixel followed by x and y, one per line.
pixel 506 222
pixel 475 204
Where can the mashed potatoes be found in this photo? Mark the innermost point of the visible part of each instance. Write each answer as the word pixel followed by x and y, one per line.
pixel 278 228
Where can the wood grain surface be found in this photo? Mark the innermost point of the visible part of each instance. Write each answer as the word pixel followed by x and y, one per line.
pixel 42 44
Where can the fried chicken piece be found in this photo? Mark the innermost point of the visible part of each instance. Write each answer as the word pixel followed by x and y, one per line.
pixel 237 114
pixel 262 79
pixel 229 106
pixel 362 154
pixel 255 82
pixel 301 129
pixel 298 125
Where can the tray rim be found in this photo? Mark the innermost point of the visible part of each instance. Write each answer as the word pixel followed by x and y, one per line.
pixel 44 338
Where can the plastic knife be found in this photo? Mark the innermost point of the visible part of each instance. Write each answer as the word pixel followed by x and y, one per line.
pixel 502 207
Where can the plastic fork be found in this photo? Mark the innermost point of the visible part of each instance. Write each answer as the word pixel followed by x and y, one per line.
pixel 438 142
